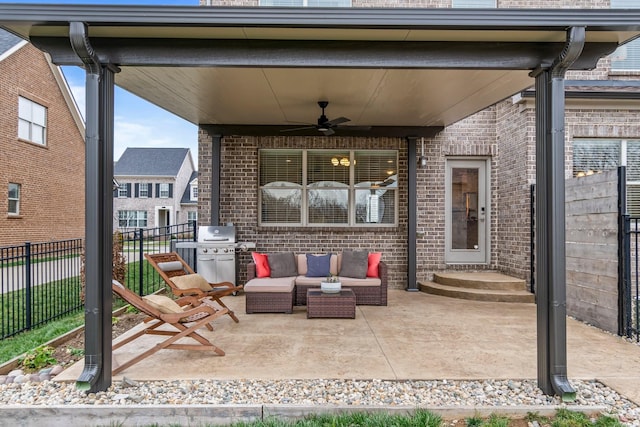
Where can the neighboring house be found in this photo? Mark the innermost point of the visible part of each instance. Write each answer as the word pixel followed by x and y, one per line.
pixel 40 127
pixel 156 187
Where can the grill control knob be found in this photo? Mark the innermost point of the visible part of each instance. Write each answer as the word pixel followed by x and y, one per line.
pixel 205 250
pixel 214 250
pixel 225 250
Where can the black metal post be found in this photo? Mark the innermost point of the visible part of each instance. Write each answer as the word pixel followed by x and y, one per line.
pixel 141 261
pixel 624 252
pixel 532 239
pixel 412 220
pixel 28 285
pixel 216 161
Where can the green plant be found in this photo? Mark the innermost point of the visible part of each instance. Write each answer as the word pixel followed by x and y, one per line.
pixel 475 421
pixel 75 352
pixel 567 418
pixel 497 421
pixel 38 358
pixel 332 279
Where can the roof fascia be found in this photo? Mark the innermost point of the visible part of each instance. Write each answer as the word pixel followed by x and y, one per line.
pixel 67 95
pixel 112 15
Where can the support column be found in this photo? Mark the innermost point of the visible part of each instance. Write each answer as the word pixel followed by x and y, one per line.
pixel 412 216
pixel 216 162
pixel 550 220
pixel 96 375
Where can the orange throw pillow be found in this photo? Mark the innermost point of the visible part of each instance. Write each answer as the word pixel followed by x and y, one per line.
pixel 262 264
pixel 374 260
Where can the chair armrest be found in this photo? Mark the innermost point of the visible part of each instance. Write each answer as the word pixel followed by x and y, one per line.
pixel 251 271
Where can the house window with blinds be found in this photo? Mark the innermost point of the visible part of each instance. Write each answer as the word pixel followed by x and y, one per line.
pixel 594 156
pixel 319 188
pixel 306 3
pixel 627 56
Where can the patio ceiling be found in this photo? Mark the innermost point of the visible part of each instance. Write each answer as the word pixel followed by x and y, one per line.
pixel 258 70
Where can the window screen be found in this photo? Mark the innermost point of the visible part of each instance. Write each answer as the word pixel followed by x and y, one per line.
pixel 306 3
pixel 473 4
pixel 280 186
pixel 626 57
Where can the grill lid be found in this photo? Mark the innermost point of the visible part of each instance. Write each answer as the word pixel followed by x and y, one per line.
pixel 216 234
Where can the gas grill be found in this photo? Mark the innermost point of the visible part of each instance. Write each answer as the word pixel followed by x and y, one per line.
pixel 216 253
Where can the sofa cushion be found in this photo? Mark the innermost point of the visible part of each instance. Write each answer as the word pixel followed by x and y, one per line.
pixel 190 281
pixel 354 264
pixel 282 264
pixel 348 282
pixel 268 284
pixel 374 261
pixel 262 264
pixel 163 304
pixel 302 264
pixel 308 281
pixel 318 265
pixel 170 266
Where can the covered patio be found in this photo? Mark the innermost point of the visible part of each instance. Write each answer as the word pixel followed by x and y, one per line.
pixel 405 72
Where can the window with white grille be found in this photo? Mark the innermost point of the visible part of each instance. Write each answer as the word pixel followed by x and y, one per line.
pixel 627 56
pixel 143 190
pixel 328 187
pixel 164 191
pixel 132 219
pixel 32 121
pixel 597 155
pixel 14 199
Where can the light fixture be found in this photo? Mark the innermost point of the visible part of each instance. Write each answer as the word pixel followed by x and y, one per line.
pixel 335 161
pixel 344 161
pixel 423 159
pixel 390 172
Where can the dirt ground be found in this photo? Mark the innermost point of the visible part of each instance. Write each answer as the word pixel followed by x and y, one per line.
pixel 73 350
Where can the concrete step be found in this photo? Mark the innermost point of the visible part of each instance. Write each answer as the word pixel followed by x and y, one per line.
pixel 476 294
pixel 481 280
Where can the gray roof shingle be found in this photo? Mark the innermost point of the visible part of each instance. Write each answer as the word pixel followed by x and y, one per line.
pixel 7 41
pixel 150 162
pixel 186 196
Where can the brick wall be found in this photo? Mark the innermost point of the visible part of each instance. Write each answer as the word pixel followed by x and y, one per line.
pixel 51 176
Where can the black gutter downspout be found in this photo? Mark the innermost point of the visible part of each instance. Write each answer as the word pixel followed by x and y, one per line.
pixel 96 375
pixel 550 220
pixel 412 220
pixel 216 161
pixel 624 255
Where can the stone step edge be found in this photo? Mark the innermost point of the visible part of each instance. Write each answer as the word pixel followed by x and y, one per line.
pixel 474 282
pixel 520 296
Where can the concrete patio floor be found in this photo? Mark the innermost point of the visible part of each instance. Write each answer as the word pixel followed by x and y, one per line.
pixel 417 336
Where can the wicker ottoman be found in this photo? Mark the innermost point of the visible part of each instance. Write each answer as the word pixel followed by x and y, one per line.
pixel 342 305
pixel 269 295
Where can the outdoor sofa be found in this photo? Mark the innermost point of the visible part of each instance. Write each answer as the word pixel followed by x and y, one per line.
pixel 276 282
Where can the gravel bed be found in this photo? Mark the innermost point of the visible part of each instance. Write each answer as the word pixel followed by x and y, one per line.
pixel 319 392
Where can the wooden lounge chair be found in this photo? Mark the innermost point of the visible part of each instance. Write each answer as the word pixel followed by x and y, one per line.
pixel 189 314
pixel 182 280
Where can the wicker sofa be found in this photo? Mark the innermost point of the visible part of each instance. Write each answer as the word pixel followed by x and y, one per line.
pixel 280 294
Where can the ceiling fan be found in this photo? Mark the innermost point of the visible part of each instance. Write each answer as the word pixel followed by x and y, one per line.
pixel 326 126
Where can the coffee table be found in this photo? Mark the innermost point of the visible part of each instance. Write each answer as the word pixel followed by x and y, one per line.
pixel 320 304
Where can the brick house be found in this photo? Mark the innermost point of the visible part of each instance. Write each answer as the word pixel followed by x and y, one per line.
pixel 157 187
pixel 40 126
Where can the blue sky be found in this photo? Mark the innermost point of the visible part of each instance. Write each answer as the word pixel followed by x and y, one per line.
pixel 138 123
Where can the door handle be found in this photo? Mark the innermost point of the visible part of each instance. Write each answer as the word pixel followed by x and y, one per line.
pixel 481 216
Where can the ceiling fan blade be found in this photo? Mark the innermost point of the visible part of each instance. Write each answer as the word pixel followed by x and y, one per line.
pixel 337 121
pixel 295 129
pixel 328 132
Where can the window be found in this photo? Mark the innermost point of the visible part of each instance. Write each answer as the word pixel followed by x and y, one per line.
pixel 192 218
pixel 194 189
pixel 14 199
pixel 143 190
pixel 462 4
pixel 328 187
pixel 626 57
pixel 135 219
pixel 306 3
pixel 593 156
pixel 32 121
pixel 123 190
pixel 164 191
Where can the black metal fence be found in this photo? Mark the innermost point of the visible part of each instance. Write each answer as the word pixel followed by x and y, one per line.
pixel 142 278
pixel 630 278
pixel 41 282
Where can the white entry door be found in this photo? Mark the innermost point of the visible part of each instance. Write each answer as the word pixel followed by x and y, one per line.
pixel 467 211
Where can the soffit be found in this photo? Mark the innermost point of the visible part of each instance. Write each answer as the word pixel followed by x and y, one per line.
pixel 264 86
